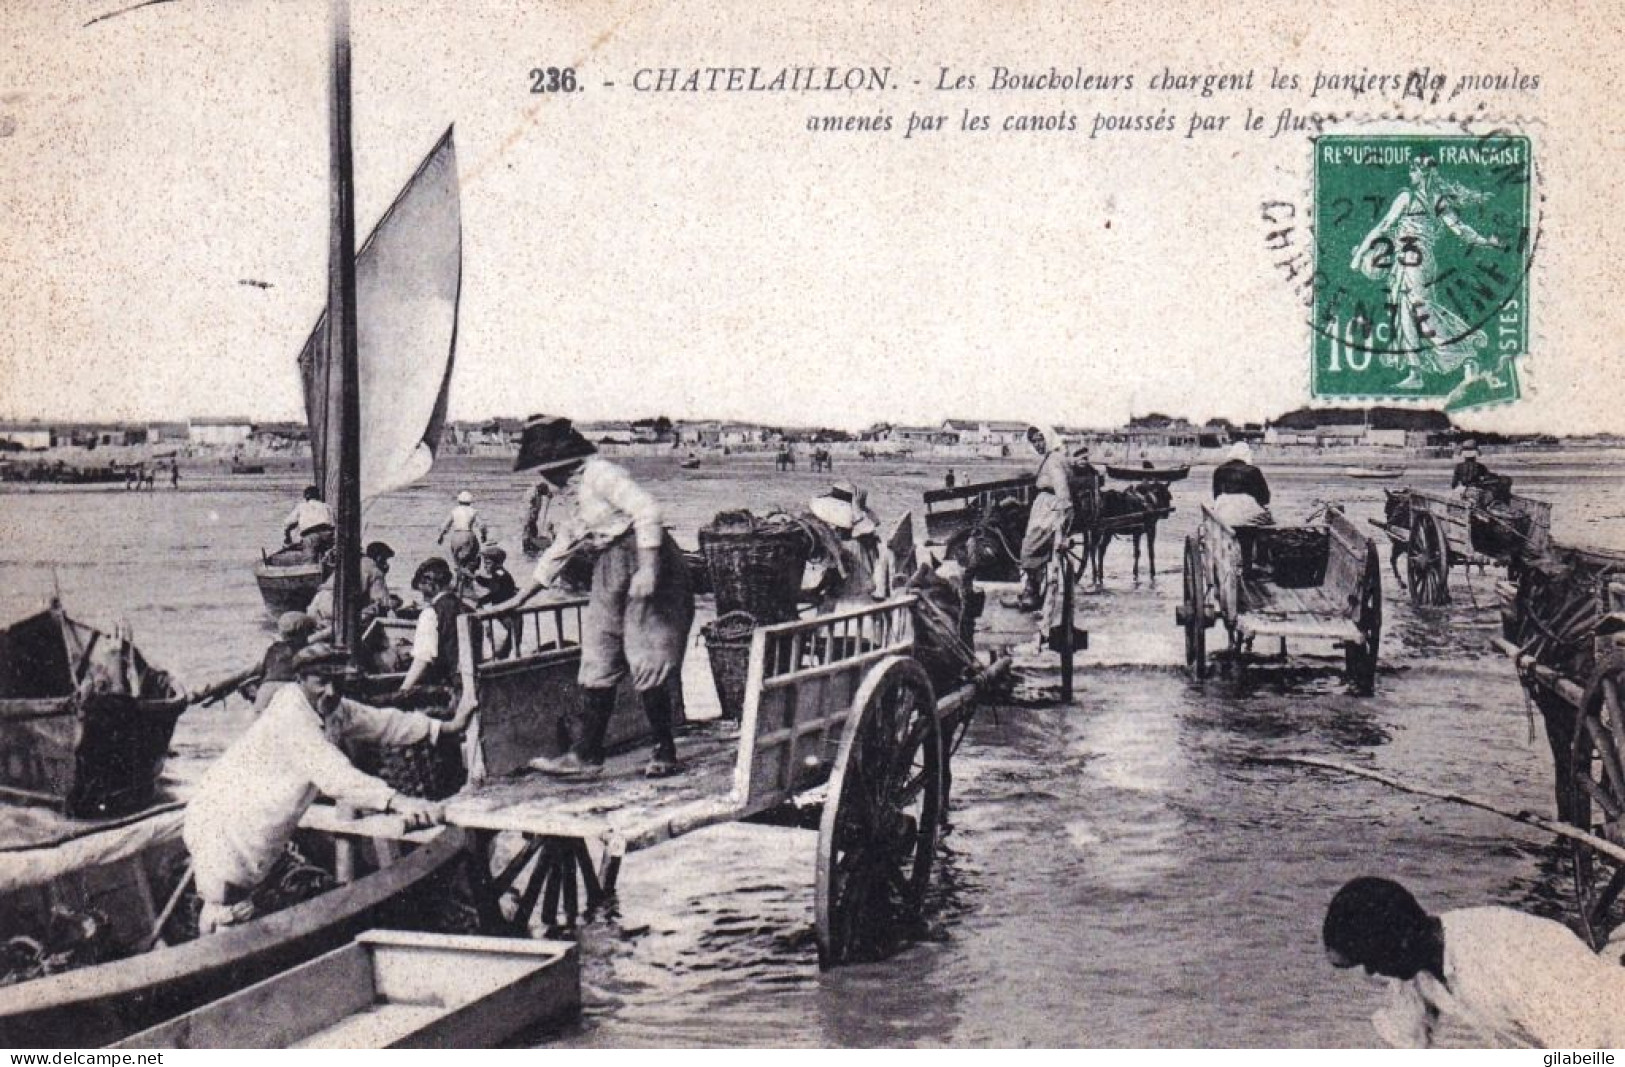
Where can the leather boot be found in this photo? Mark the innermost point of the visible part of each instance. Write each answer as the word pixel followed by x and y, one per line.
pixel 582 735
pixel 1032 591
pixel 657 709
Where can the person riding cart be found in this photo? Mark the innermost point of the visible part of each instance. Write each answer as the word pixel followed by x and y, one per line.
pixel 1241 498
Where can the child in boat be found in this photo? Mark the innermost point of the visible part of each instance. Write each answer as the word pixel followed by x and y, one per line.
pixel 496 586
pixel 249 802
pixel 1516 979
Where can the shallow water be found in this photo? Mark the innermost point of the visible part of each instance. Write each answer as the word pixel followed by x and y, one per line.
pixel 1121 871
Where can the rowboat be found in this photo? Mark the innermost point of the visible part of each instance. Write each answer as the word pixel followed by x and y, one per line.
pixel 85 720
pixel 1149 473
pixel 1378 472
pixel 105 1002
pixel 287 579
pixel 248 468
pixel 391 989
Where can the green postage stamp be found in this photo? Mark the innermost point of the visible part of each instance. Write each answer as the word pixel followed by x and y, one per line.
pixel 1422 249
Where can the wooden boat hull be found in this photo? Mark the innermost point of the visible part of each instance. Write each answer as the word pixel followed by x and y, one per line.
pixel 287 584
pixel 391 989
pixel 85 721
pixel 101 1004
pixel 1149 474
pixel 1375 473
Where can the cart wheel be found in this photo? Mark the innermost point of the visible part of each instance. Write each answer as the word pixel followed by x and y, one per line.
pixel 1360 660
pixel 1193 613
pixel 879 831
pixel 1427 560
pixel 1597 800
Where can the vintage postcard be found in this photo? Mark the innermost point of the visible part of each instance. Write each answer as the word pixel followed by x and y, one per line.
pixel 609 524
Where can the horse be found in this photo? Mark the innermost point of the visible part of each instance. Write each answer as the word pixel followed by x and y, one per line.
pixel 1396 512
pixel 1132 512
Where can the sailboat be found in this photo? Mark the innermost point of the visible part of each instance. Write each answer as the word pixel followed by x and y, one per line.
pixel 400 349
pixel 408 277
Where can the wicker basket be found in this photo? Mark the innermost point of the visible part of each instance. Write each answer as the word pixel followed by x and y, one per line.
pixel 433 772
pixel 1295 555
pixel 727 642
pixel 755 564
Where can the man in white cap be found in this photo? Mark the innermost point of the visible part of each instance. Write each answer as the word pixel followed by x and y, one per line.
pixel 462 525
pixel 250 800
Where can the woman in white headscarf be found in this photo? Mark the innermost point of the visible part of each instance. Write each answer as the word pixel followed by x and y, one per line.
pixel 1241 496
pixel 1052 507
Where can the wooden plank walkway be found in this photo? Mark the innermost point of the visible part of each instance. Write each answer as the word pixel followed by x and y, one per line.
pixel 619 804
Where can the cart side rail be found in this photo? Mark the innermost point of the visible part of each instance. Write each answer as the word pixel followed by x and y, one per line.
pixel 802 678
pixel 1345 561
pixel 1221 553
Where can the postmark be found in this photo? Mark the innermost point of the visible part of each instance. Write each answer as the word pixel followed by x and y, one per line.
pixel 1422 251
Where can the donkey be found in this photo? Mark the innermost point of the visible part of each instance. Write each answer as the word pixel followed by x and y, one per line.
pixel 1132 512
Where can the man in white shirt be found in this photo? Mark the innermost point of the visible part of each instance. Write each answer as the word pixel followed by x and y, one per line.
pixel 1514 979
pixel 467 532
pixel 249 802
pixel 313 521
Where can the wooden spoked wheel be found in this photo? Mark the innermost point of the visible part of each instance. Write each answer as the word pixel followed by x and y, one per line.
pixel 878 835
pixel 1597 801
pixel 1193 610
pixel 1427 559
pixel 1360 659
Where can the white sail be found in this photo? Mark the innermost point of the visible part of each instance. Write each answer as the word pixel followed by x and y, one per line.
pixel 408 278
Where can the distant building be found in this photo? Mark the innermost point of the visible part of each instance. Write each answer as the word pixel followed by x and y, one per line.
pixel 159 433
pixel 1360 427
pixel 219 431
pixel 607 433
pixel 916 435
pixel 29 435
pixel 983 432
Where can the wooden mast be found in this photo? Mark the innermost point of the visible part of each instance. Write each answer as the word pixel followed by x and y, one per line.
pixel 343 488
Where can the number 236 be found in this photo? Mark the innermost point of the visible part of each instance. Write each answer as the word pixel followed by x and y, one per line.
pixel 552 80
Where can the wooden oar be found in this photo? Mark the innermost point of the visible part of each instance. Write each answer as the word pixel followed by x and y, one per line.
pixel 1528 818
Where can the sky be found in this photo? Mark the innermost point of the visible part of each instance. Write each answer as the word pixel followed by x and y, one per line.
pixel 627 254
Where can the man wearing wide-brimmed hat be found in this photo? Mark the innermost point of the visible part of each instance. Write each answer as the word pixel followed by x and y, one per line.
pixel 249 802
pixel 642 602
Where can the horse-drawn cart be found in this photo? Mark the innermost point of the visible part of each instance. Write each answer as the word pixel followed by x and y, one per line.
pixel 1437 531
pixel 1563 625
pixel 837 703
pixel 1314 582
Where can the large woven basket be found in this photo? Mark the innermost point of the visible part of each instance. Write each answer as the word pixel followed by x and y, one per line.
pixel 755 564
pixel 727 642
pixel 1295 555
pixel 433 772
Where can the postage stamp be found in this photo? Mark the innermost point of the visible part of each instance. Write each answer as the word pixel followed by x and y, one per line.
pixel 1422 249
